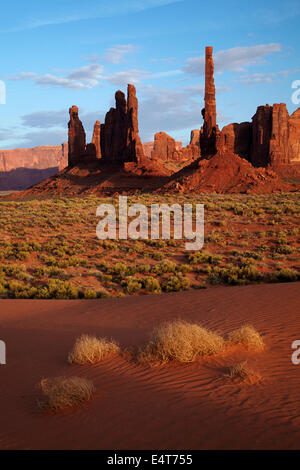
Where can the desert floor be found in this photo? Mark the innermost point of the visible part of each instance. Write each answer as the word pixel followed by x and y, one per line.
pixel 49 248
pixel 191 406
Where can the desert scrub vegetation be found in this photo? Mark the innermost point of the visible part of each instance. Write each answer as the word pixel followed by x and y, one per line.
pixel 175 284
pixel 179 341
pixel 242 371
pixel 247 337
pixel 234 275
pixel 285 275
pixel 53 289
pixel 65 392
pixel 90 349
pixel 49 249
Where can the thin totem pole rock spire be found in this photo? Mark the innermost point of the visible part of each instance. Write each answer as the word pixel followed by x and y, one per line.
pixel 210 128
pixel 210 91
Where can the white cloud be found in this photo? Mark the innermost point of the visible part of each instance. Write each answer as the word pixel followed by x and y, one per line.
pixel 45 119
pixel 124 77
pixel 235 59
pixel 254 78
pixel 83 78
pixel 88 72
pixel 116 54
pixel 89 76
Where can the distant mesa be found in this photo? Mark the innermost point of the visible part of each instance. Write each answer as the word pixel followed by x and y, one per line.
pixel 24 167
pixel 242 157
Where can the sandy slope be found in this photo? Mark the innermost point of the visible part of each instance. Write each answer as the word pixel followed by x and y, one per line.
pixel 189 406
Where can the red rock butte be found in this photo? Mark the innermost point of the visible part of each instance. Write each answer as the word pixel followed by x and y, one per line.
pixel 271 140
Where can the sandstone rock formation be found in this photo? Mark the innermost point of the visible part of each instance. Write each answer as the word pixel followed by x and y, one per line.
pixel 135 151
pixel 226 173
pixel 187 154
pixel 261 135
pixel 96 140
pixel 275 136
pixel 120 141
pixel 278 150
pixel 195 137
pixel 209 129
pixel 294 137
pixel 76 137
pixel 272 139
pixel 211 162
pixel 21 168
pixel 148 147
pixel 236 138
pixel 166 149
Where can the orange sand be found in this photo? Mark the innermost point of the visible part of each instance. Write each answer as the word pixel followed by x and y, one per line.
pixel 171 407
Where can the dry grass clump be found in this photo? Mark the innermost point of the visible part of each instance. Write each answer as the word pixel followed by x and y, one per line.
pixel 180 341
pixel 242 371
pixel 64 392
pixel 248 337
pixel 89 350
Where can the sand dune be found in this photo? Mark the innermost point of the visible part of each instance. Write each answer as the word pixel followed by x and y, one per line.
pixel 191 406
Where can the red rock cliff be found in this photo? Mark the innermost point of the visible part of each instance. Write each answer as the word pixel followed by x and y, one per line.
pixel 294 137
pixel 21 168
pixel 275 136
pixel 166 149
pixel 38 158
pixel 236 138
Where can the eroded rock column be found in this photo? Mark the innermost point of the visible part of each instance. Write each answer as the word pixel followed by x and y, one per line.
pixel 76 137
pixel 209 128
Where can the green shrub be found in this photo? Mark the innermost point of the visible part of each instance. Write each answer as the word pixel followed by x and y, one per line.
pixel 57 289
pixel 202 257
pixel 164 267
pixel 285 275
pixel 132 285
pixel 234 275
pixel 175 283
pixel 90 294
pixel 152 285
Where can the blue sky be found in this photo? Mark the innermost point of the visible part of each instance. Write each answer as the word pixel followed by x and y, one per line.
pixel 70 52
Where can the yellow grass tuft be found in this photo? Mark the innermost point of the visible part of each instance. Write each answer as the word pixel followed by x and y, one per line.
pixel 89 350
pixel 63 392
pixel 242 371
pixel 180 341
pixel 248 337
